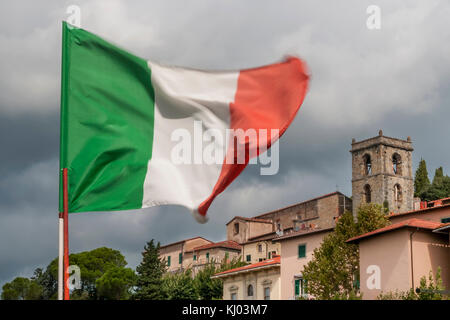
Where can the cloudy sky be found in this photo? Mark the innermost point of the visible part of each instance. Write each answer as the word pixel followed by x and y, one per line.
pixel 396 79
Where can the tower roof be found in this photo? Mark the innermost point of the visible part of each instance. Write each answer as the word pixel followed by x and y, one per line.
pixel 383 140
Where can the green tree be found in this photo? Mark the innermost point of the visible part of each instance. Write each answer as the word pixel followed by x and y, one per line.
pixel 149 274
pixel 438 175
pixel 333 273
pixel 421 181
pixel 93 265
pixel 179 286
pixel 116 283
pixel 207 288
pixel 22 289
pixel 439 188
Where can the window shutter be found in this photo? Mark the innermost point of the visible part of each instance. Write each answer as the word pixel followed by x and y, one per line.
pixel 297 287
pixel 302 251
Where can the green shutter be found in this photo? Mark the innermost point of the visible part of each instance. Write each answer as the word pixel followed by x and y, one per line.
pixel 207 256
pixel 227 255
pixel 168 261
pixel 302 251
pixel 195 257
pixel 249 258
pixel 297 287
pixel 445 220
pixel 180 258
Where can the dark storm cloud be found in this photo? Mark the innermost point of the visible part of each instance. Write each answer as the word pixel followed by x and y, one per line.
pixel 396 79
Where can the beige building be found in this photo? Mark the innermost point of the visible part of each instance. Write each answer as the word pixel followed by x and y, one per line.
pixel 260 248
pixel 296 251
pixel 174 253
pixel 258 281
pixel 438 211
pixel 321 212
pixel 256 234
pixel 194 253
pixel 215 253
pixel 240 229
pixel 397 256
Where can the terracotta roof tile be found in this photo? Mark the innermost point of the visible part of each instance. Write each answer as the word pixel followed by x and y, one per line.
pixel 300 233
pixel 415 223
pixel 181 241
pixel 223 244
pixel 266 263
pixel 393 215
pixel 250 219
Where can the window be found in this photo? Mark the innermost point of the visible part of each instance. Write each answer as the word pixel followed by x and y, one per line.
pixel 168 261
pixel 236 228
pixel 259 248
pixel 278 225
pixel 367 194
pixel 250 290
pixel 302 251
pixel 266 293
pixel 396 163
pixel 234 296
pixel 300 287
pixel 367 165
pixel 397 193
pixel 207 256
pixel 180 258
pixel 195 257
pixel 445 220
pixel 249 258
pixel 270 255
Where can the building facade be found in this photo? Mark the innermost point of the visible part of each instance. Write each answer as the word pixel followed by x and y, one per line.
pixel 258 281
pixel 175 253
pixel 212 253
pixel 296 251
pixel 396 257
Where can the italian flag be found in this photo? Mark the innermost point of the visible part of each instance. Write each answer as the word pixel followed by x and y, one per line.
pixel 119 112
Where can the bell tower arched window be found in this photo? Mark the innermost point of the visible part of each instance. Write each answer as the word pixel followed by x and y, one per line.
pixel 397 193
pixel 396 164
pixel 367 165
pixel 367 194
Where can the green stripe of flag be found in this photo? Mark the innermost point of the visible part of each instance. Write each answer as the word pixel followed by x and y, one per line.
pixel 107 120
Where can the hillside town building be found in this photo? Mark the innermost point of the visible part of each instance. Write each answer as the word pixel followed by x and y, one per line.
pixel 278 244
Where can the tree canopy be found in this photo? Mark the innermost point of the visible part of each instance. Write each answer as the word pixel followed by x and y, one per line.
pixel 438 189
pixel 149 274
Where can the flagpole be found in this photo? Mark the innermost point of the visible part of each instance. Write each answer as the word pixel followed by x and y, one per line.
pixel 61 257
pixel 66 235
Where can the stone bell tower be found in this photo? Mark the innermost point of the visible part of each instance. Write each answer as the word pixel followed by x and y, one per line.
pixel 382 173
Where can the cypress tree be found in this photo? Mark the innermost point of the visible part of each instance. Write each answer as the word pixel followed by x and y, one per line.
pixel 421 181
pixel 149 274
pixel 438 175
